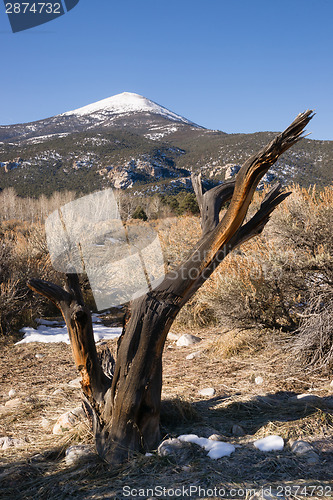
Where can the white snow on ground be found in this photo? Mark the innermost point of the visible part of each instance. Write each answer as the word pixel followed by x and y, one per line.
pixel 127 102
pixel 269 443
pixel 52 331
pixel 44 334
pixel 216 449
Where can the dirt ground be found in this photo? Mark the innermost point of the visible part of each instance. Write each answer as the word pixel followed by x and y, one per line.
pixel 37 469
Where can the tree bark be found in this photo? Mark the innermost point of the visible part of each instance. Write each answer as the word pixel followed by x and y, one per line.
pixel 125 406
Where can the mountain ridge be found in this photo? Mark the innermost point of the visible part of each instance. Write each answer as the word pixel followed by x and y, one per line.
pixel 127 109
pixel 129 142
pixel 126 103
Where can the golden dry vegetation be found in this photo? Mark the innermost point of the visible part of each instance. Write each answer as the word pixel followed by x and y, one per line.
pixel 254 317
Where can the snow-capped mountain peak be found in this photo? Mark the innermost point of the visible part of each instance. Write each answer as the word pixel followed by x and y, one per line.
pixel 126 103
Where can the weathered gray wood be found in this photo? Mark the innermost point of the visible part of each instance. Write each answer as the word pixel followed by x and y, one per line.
pixel 211 202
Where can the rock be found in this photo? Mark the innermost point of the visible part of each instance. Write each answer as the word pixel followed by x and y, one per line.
pixel 186 468
pixel 3 410
pixel 216 437
pixel 216 449
pixel 305 450
pixel 12 393
pixel 237 430
pixel 68 420
pixel 45 423
pixel 39 457
pixel 173 336
pixel 170 447
pixel 267 179
pixel 39 356
pixel 305 398
pixel 301 447
pixel 312 458
pixel 76 382
pixel 187 339
pixel 331 384
pixel 193 355
pixel 207 392
pixel 269 443
pixel 31 399
pixel 258 380
pixel 329 401
pixel 13 403
pixel 78 453
pixel 231 171
pixel 58 392
pixel 8 442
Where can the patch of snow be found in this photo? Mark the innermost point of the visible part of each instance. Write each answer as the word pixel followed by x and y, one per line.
pixel 76 382
pixel 44 334
pixel 269 443
pixel 216 449
pixel 8 442
pixel 126 102
pixel 41 138
pixel 220 449
pixel 49 334
pixel 162 132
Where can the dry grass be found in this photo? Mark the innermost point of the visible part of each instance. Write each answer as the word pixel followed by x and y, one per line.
pixel 270 279
pixel 231 359
pixel 38 469
pixel 238 342
pixel 313 346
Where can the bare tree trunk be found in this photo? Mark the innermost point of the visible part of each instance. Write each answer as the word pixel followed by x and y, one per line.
pixel 125 406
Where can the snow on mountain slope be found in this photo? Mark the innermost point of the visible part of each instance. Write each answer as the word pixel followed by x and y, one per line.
pixel 125 103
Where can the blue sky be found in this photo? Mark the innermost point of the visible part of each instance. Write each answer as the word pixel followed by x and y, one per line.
pixel 237 66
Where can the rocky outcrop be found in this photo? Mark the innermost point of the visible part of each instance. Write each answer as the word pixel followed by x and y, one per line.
pixel 231 170
pixel 11 164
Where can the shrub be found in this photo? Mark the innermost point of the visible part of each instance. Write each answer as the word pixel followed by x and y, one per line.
pixel 139 213
pixel 313 346
pixel 270 280
pixel 23 254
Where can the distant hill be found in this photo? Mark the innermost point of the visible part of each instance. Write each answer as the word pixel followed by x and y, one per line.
pixel 130 142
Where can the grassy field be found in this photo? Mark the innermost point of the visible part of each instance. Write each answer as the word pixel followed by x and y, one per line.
pixel 230 361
